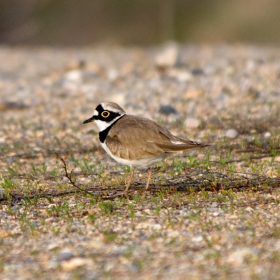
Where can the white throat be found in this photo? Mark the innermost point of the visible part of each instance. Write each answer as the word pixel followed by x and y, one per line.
pixel 102 125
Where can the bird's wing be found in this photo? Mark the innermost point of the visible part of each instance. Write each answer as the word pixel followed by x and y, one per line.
pixel 136 137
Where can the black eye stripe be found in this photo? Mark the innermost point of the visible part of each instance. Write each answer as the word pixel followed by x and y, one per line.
pixel 105 114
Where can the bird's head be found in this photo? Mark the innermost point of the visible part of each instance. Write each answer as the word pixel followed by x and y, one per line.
pixel 105 114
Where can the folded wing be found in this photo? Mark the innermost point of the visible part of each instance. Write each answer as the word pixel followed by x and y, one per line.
pixel 136 137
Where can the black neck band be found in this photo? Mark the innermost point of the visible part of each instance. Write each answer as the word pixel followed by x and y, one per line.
pixel 103 134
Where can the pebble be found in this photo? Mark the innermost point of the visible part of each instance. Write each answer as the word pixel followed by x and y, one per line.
pixel 267 134
pixel 197 71
pixel 51 205
pixel 134 268
pixel 238 257
pixel 198 238
pixel 156 226
pixel 112 74
pixel 183 76
pixel 16 208
pixel 213 209
pixel 277 159
pixel 67 255
pixel 74 76
pixel 167 110
pixel 10 159
pixel 53 246
pixel 168 57
pixel 96 244
pixel 192 123
pixel 73 263
pixel 2 193
pixel 141 90
pixel 231 133
pixel 218 237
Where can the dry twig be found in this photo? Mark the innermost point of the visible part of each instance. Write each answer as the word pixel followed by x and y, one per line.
pixel 69 176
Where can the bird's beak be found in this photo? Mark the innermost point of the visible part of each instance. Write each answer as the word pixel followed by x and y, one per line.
pixel 90 119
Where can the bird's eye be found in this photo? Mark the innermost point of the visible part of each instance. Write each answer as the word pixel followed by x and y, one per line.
pixel 105 114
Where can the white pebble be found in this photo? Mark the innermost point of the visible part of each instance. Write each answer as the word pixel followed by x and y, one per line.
pixel 112 74
pixel 184 76
pixel 198 238
pixel 231 133
pixel 75 262
pixel 267 134
pixel 238 257
pixel 156 226
pixel 168 57
pixel 192 123
pixel 74 76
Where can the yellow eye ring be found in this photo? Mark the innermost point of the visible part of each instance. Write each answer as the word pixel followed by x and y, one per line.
pixel 105 114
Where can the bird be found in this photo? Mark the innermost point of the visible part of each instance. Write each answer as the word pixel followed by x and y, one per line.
pixel 135 141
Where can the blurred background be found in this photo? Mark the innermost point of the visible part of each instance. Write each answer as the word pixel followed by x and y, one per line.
pixel 141 22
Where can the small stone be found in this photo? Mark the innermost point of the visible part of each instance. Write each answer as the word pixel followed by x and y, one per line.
pixel 4 234
pixel 212 209
pixel 215 214
pixel 12 105
pixel 167 58
pixel 16 208
pixel 67 255
pixel 197 71
pixel 51 205
pixel 192 123
pixel 184 76
pixel 156 226
pixel 10 159
pixel 231 133
pixel 74 263
pixel 74 76
pixel 218 237
pixel 134 268
pixel 53 246
pixel 177 212
pixel 198 238
pixel 277 159
pixel 52 264
pixel 112 74
pixel 96 244
pixel 238 257
pixel 167 110
pixel 267 134
pixel 2 194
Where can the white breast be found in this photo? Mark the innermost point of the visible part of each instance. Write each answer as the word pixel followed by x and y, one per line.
pixel 138 163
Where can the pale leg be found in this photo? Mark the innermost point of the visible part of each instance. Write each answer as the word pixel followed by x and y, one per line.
pixel 130 179
pixel 149 172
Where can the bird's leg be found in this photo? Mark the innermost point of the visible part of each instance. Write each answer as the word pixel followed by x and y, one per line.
pixel 130 179
pixel 149 172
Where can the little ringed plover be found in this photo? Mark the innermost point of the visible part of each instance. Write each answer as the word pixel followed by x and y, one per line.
pixel 135 141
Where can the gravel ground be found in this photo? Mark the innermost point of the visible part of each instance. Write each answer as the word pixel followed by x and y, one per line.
pixel 210 214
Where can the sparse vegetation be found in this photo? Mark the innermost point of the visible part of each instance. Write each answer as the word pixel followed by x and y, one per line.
pixel 209 214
